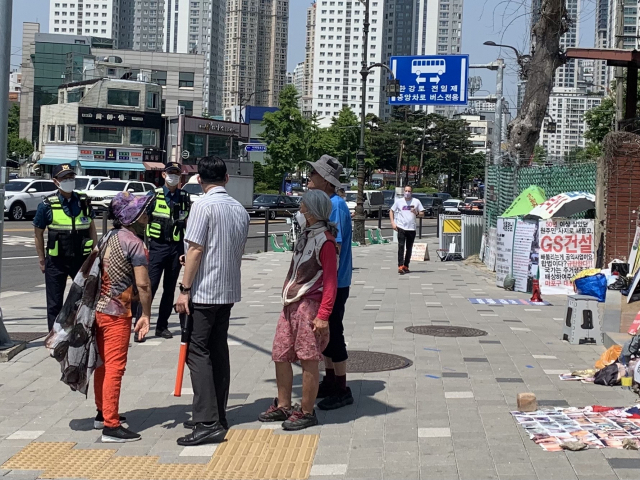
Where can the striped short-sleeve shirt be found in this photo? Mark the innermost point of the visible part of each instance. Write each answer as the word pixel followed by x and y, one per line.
pixel 220 224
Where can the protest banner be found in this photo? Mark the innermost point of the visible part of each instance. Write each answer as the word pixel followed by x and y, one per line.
pixel 566 248
pixel 504 248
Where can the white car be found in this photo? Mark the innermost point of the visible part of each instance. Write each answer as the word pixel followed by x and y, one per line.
pixel 102 194
pixel 451 205
pixel 23 196
pixel 88 182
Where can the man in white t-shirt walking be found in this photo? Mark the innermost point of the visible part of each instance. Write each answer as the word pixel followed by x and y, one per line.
pixel 403 215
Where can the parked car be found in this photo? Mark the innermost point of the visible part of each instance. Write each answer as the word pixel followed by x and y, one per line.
pixel 24 195
pixel 373 200
pixel 102 194
pixel 389 197
pixel 278 205
pixel 466 202
pixel 444 196
pixel 194 189
pixel 432 206
pixel 88 182
pixel 451 206
pixel 476 207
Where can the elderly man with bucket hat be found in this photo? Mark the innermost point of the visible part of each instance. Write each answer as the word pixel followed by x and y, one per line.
pixel 166 229
pixel 68 217
pixel 325 176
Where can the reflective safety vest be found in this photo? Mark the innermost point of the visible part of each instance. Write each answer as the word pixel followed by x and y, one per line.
pixel 169 224
pixel 69 236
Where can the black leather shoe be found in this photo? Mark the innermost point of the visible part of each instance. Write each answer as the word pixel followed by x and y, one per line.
pixel 164 333
pixel 202 433
pixel 190 425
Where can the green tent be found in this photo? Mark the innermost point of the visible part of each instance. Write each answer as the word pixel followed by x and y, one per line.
pixel 525 202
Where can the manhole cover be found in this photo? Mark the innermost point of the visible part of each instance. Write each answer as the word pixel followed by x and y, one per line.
pixel 367 362
pixel 446 331
pixel 26 336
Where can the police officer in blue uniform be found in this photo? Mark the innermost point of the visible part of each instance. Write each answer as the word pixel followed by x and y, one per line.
pixel 165 231
pixel 71 235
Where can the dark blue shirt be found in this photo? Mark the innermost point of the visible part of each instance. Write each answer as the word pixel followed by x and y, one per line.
pixel 341 216
pixel 171 198
pixel 71 206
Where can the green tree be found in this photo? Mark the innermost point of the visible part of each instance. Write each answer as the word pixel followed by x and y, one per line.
pixel 539 154
pixel 600 120
pixel 16 147
pixel 286 134
pixel 345 131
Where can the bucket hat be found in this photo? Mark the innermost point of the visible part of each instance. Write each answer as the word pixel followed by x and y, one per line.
pixel 328 168
pixel 128 208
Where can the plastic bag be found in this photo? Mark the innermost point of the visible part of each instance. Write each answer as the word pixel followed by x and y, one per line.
pixel 594 286
pixel 609 357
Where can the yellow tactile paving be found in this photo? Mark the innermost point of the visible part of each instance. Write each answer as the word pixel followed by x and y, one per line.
pixel 245 455
pixel 38 455
pixel 79 464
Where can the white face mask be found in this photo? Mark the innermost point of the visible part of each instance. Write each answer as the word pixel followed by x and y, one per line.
pixel 302 221
pixel 407 195
pixel 172 180
pixel 67 186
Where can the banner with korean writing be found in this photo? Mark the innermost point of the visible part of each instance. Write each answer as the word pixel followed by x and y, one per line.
pixel 566 248
pixel 504 248
pixel 526 231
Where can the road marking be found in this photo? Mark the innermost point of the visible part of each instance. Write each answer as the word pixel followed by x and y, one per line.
pixel 11 293
pixel 545 357
pixel 19 258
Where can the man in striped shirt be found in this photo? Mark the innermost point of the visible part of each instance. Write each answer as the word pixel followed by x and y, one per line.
pixel 216 235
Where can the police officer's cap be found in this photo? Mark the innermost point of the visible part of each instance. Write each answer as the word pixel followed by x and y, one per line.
pixel 62 170
pixel 173 167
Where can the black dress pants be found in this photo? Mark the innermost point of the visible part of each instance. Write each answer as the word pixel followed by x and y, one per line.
pixel 56 272
pixel 405 237
pixel 164 258
pixel 208 362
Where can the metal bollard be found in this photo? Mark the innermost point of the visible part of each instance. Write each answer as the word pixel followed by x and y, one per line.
pixel 438 226
pixel 380 218
pixel 104 223
pixel 420 231
pixel 266 230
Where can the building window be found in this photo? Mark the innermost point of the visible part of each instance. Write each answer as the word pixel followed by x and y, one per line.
pixel 146 138
pixel 153 100
pixel 52 134
pixel 71 133
pixel 61 133
pixel 74 96
pixel 188 106
pixel 186 80
pixel 102 134
pixel 127 98
pixel 159 77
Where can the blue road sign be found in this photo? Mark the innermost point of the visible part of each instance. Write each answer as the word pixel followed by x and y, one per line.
pixel 255 147
pixel 431 80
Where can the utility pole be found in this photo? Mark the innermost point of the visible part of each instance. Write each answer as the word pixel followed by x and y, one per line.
pixel 498 116
pixel 6 7
pixel 424 135
pixel 358 223
pixel 619 43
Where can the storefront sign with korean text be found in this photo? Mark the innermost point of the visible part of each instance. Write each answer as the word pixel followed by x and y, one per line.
pixel 566 248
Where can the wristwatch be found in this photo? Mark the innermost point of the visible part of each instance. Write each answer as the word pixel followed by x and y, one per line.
pixel 184 289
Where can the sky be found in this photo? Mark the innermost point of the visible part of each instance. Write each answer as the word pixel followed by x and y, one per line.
pixel 503 21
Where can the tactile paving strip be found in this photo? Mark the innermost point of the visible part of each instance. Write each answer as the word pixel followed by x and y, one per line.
pixel 38 456
pixel 79 464
pixel 245 455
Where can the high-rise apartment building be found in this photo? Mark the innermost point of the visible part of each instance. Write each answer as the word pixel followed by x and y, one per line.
pixel 422 27
pixel 255 65
pixel 601 41
pixel 82 17
pixel 297 78
pixel 338 57
pixel 307 87
pixel 565 75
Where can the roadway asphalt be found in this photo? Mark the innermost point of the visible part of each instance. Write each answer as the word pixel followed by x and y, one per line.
pixel 20 271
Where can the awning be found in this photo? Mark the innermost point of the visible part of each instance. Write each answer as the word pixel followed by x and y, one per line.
pixel 123 166
pixel 186 169
pixel 153 165
pixel 55 161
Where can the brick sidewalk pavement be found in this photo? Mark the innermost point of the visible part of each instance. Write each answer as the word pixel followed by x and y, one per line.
pixel 445 417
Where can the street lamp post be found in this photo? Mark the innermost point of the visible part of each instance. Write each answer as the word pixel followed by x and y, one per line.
pixel 393 89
